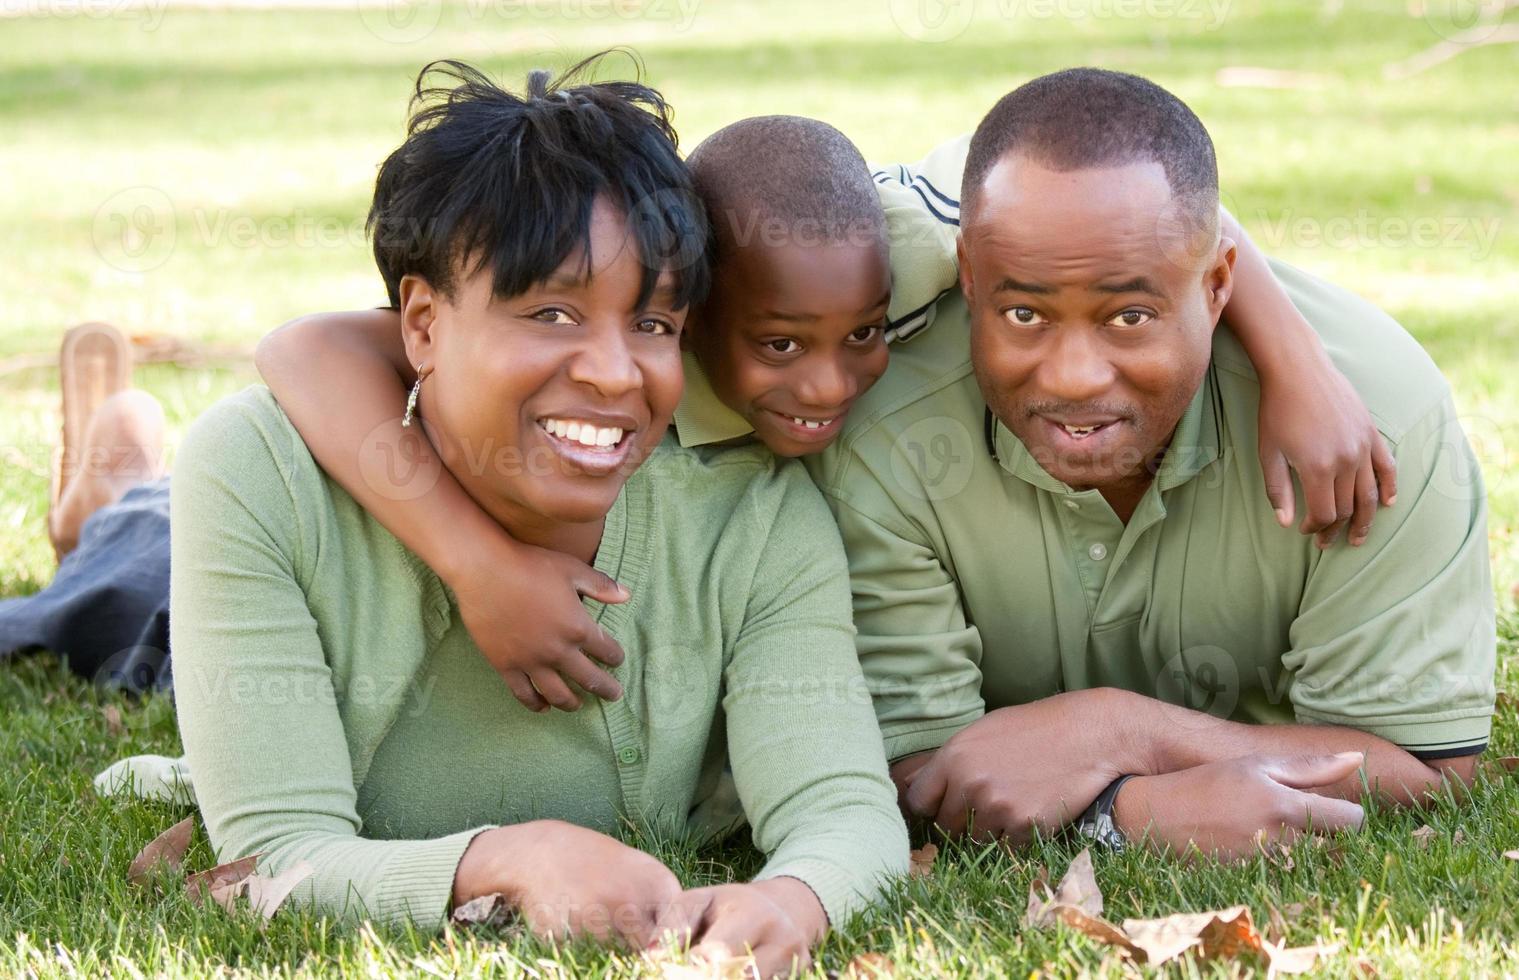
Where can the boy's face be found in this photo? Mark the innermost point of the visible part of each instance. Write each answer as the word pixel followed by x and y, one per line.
pixel 791 335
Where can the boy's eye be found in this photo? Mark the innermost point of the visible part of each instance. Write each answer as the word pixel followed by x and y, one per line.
pixel 865 334
pixel 655 326
pixel 553 314
pixel 783 345
pixel 1132 318
pixel 1024 316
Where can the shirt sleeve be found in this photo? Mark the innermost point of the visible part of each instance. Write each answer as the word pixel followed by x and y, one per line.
pixel 1398 637
pixel 922 208
pixel 920 655
pixel 257 709
pixel 802 738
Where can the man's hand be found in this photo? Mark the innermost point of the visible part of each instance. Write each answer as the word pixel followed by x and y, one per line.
pixel 1316 424
pixel 1226 808
pixel 1031 766
pixel 566 881
pixel 777 921
pixel 522 607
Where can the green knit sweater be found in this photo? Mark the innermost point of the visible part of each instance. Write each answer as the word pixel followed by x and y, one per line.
pixel 334 709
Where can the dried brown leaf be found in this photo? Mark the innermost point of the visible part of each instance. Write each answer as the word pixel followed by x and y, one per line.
pixel 1423 836
pixel 1225 933
pixel 480 911
pixel 1077 889
pixel 223 883
pixel 921 861
pixel 113 721
pixel 267 894
pixel 1507 763
pixel 1458 838
pixel 1301 959
pixel 1511 855
pixel 167 849
pixel 867 966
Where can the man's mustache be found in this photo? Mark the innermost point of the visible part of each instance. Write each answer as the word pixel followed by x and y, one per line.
pixel 1114 410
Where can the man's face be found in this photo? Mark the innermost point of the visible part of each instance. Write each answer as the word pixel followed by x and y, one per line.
pixel 792 334
pixel 542 404
pixel 1090 333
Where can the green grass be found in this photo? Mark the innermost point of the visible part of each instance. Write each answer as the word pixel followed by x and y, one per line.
pixel 258 134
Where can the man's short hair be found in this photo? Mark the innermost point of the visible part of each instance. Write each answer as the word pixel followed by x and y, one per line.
pixel 786 180
pixel 507 182
pixel 1083 118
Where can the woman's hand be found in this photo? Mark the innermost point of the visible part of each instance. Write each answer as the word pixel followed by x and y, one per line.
pixel 566 881
pixel 1227 808
pixel 777 921
pixel 522 607
pixel 1315 423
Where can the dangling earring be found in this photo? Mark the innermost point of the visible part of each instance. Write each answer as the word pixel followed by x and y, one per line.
pixel 411 402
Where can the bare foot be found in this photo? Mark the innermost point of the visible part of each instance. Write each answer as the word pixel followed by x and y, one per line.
pixel 123 447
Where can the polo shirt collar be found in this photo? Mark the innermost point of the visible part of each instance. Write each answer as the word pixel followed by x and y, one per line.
pixel 701 418
pixel 1197 443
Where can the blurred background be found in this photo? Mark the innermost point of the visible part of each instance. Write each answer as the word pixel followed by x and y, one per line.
pixel 197 172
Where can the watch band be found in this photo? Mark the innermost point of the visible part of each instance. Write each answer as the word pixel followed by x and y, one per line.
pixel 1097 825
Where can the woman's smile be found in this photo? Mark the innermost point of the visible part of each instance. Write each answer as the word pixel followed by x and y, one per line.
pixel 596 447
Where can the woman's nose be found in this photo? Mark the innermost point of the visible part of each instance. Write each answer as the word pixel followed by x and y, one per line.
pixel 607 363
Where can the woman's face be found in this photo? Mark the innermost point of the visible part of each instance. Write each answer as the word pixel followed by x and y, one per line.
pixel 543 404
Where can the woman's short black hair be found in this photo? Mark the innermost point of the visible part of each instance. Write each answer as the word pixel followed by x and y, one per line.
pixel 507 182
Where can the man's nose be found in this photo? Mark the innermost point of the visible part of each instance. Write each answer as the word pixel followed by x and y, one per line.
pixel 826 385
pixel 1076 368
pixel 607 363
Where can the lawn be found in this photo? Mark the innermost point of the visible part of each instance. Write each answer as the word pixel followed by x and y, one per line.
pixel 204 174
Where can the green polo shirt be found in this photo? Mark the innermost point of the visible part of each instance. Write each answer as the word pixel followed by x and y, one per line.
pixel 980 581
pixel 923 269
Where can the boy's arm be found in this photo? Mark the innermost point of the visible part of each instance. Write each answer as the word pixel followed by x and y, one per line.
pixel 342 378
pixel 1311 419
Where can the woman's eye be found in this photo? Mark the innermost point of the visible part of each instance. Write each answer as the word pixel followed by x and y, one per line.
pixel 783 346
pixel 1132 318
pixel 1024 316
pixel 865 334
pixel 655 327
pixel 553 315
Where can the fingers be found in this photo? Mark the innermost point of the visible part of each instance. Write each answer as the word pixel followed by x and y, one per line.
pixel 600 645
pixel 1344 506
pixel 1367 498
pixel 953 816
pixel 554 690
pixel 926 791
pixel 1309 771
pixel 1319 502
pixel 683 918
pixel 1279 486
pixel 523 690
pixel 1386 469
pixel 578 667
pixel 595 585
pixel 1327 815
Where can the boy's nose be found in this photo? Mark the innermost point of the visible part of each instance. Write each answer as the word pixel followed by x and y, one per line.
pixel 826 385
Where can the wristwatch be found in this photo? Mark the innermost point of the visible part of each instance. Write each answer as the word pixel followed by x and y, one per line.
pixel 1097 825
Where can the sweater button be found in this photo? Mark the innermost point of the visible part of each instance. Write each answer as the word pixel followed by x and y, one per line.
pixel 627 755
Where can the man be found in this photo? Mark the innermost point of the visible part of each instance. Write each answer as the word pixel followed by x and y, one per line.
pixel 1064 573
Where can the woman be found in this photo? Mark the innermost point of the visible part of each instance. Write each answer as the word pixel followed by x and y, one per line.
pixel 332 705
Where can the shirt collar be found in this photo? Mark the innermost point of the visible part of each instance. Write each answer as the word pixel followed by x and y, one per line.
pixel 1197 443
pixel 701 418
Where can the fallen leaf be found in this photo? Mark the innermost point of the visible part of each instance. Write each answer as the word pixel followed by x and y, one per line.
pixel 113 722
pixel 267 894
pixel 921 861
pixel 1459 837
pixel 1279 959
pixel 1076 903
pixel 1508 762
pixel 1511 855
pixel 1505 700
pixel 479 911
pixel 1423 836
pixel 1282 919
pixel 168 848
pixel 868 965
pixel 223 883
pixel 1225 933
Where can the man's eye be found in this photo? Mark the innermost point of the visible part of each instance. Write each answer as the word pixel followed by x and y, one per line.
pixel 655 326
pixel 553 315
pixel 1132 318
pixel 783 346
pixel 1024 316
pixel 865 334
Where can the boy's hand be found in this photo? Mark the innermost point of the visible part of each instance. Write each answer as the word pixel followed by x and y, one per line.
pixel 522 607
pixel 1315 423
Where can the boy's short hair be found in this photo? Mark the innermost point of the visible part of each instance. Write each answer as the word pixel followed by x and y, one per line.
pixel 1090 117
pixel 786 180
pixel 507 182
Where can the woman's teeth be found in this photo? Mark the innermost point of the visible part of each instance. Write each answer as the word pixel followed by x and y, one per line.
pixel 582 432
